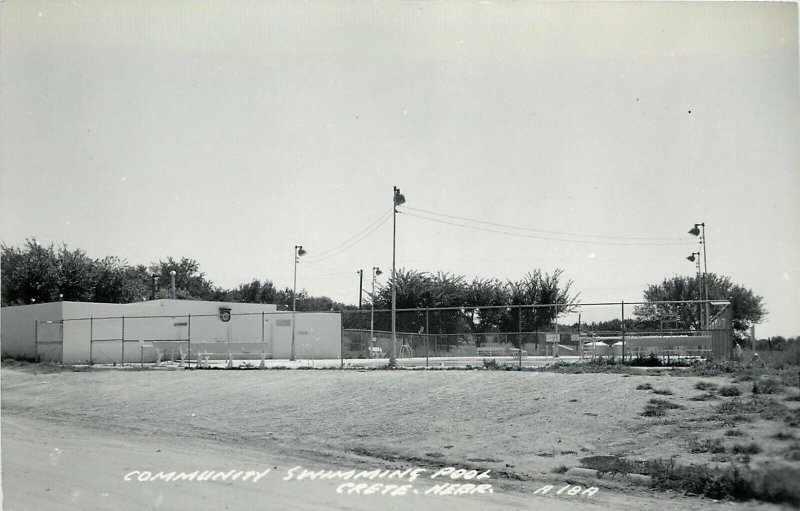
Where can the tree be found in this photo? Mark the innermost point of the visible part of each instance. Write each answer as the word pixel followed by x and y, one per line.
pixel 29 275
pixel 536 288
pixel 747 307
pixel 489 294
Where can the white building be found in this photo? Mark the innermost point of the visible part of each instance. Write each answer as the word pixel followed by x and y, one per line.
pixel 80 332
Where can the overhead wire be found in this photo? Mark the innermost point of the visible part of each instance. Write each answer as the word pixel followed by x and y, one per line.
pixel 383 217
pixel 355 240
pixel 507 226
pixel 521 235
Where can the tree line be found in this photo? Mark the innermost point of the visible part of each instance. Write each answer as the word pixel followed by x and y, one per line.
pixel 35 273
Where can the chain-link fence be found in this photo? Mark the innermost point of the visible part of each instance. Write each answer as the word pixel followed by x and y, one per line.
pixel 467 335
pixel 190 340
pixel 520 332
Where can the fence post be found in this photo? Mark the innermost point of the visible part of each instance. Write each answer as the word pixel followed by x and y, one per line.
pixel 122 361
pixel 36 340
pixel 341 339
pixel 622 326
pixel 558 337
pixel 519 334
pixel 427 335
pixel 263 355
pixel 91 340
pixel 189 342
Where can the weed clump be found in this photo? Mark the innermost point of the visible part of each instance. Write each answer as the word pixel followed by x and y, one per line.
pixel 704 385
pixel 751 448
pixel 730 391
pixel 658 407
pixel 766 386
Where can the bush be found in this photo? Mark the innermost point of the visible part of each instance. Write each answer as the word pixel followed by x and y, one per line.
pixel 766 386
pixel 490 364
pixel 733 432
pixel 751 448
pixel 704 385
pixel 703 397
pixel 663 392
pixel 730 391
pixel 644 386
pixel 714 446
pixel 650 361
pixel 658 407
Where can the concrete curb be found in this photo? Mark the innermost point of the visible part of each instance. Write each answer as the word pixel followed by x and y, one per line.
pixel 639 479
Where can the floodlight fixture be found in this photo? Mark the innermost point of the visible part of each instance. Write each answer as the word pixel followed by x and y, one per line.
pixel 298 252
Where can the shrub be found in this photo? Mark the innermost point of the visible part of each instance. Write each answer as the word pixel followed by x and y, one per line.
pixel 658 407
pixel 733 432
pixel 490 364
pixel 783 435
pixel 703 397
pixel 766 386
pixel 751 448
pixel 730 391
pixel 560 469
pixel 663 392
pixel 644 386
pixel 704 385
pixel 714 446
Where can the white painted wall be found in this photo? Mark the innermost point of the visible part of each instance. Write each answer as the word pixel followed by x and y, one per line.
pixel 317 335
pixel 17 329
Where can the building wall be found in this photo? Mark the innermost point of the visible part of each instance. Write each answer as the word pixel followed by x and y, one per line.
pixel 158 320
pixel 18 329
pixel 253 328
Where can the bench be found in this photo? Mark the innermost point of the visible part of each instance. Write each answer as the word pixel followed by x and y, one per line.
pixel 149 344
pixel 491 351
pixel 220 351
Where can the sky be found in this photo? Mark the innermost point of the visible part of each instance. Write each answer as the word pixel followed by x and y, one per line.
pixel 229 132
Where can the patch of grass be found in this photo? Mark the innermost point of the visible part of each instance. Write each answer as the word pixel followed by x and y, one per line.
pixel 793 452
pixel 730 391
pixel 768 484
pixel 766 408
pixel 561 469
pixel 794 398
pixel 705 385
pixel 714 446
pixel 644 386
pixel 708 396
pixel 658 407
pixel 663 392
pixel 776 484
pixel 733 432
pixel 751 448
pixel 767 386
pixel 783 435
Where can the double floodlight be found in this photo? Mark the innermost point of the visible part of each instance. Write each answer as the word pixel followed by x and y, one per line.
pixel 398 197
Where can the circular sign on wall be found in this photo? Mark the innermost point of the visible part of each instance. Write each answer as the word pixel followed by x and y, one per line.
pixel 224 314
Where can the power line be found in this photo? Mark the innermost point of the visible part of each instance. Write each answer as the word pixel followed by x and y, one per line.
pixel 520 235
pixel 324 252
pixel 543 231
pixel 364 234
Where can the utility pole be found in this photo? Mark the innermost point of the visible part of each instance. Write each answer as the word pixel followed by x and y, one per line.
pixel 360 287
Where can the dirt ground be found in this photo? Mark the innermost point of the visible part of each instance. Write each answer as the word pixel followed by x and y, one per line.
pixel 69 438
